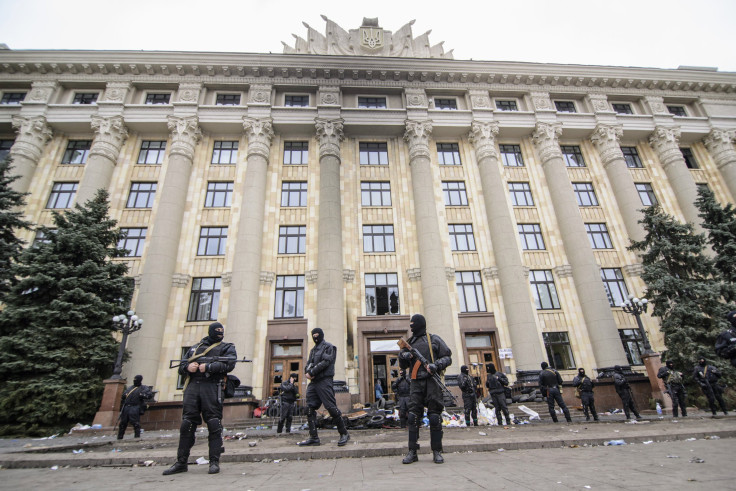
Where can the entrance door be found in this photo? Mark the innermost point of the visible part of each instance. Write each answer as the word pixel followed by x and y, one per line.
pixel 481 353
pixel 384 366
pixel 286 358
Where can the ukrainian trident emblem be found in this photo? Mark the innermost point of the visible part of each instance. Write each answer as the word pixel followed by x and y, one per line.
pixel 371 37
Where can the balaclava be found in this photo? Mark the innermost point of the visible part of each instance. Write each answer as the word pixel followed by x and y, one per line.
pixel 702 362
pixel 293 376
pixel 491 368
pixel 731 317
pixel 320 335
pixel 213 334
pixel 418 325
pixel 581 372
pixel 464 369
pixel 137 380
pixel 670 364
pixel 544 365
pixel 402 372
pixel 618 369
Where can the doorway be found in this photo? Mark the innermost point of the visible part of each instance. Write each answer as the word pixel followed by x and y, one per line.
pixel 286 358
pixel 384 358
pixel 481 353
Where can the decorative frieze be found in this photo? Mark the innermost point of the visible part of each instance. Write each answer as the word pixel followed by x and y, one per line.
pixel 483 137
pixel 260 134
pixel 450 273
pixel 185 134
pixel 416 99
pixel 599 103
pixel 33 135
pixel 490 273
pixel 259 95
pixel 545 138
pixel 110 134
pixel 41 92
pixel 636 269
pixel 227 278
pixel 417 135
pixel 180 280
pixel 328 96
pixel 541 101
pixel 116 92
pixel 479 99
pixel 189 93
pixel 657 106
pixel 329 136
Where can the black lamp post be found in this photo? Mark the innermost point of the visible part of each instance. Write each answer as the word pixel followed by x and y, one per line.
pixel 127 325
pixel 635 306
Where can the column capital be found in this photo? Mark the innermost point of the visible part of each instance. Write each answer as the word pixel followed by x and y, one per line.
pixel 483 137
pixel 260 135
pixel 606 138
pixel 110 134
pixel 719 143
pixel 545 138
pixel 33 134
pixel 666 142
pixel 185 134
pixel 329 134
pixel 417 135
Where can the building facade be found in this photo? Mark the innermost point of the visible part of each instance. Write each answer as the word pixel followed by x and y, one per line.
pixel 363 176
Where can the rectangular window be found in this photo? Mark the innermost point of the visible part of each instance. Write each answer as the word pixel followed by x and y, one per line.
pixel 531 236
pixel 521 194
pixel 454 192
pixel 5 146
pixel 378 238
pixel 613 282
pixel 296 100
pixel 292 239
pixel 506 105
pixel 225 152
pixel 152 152
pixel 289 296
pixel 373 153
pixel 227 100
pixel 43 238
pixel 598 236
pixel 646 194
pixel 511 155
pixel 85 98
pixel 76 152
pixel 133 241
pixel 158 98
pixel 690 161
pixel 375 193
pixel 631 156
pixel 470 291
pixel 212 241
pixel 219 194
pixel 461 237
pixel 141 195
pixel 372 102
pixel 633 345
pixel 445 103
pixel 293 193
pixel 381 293
pixel 622 108
pixel 448 154
pixel 543 289
pixel 12 98
pixel 572 155
pixel 565 106
pixel 204 299
pixel 677 110
pixel 585 194
pixel 296 153
pixel 559 351
pixel 62 195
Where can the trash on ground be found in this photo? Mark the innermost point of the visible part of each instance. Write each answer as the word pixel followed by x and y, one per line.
pixel 252 444
pixel 277 461
pixel 501 450
pixel 673 456
pixel 481 433
pixel 148 463
pixel 532 414
pixel 574 446
pixel 614 442
pixel 648 442
pixel 713 437
pixel 98 427
pixel 696 460
pixel 691 439
pixel 54 467
pixel 81 450
pixel 202 461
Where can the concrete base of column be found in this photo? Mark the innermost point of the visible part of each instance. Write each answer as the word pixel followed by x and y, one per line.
pixel 107 415
pixel 653 363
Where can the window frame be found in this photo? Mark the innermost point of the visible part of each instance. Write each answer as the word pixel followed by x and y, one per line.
pixel 85 98
pixel 212 196
pixel 288 190
pixel 571 154
pixel 282 293
pixel 569 106
pixel 470 284
pixel 290 98
pixel 631 338
pixel 530 234
pixel 212 235
pixel 589 192
pixel 448 153
pixel 372 102
pixel 460 190
pixel 647 191
pixel 601 236
pixel 370 193
pixel 197 292
pixel 549 345
pixel 507 105
pixel 231 152
pixel 526 192
pixel 223 99
pixel 544 290
pixel 381 235
pixel 373 153
pixel 445 103
pixel 632 158
pixel 462 238
pixel 292 239
pixel 72 149
pixel 296 148
pixel 623 108
pixel 151 147
pixel 157 98
pixel 62 190
pixel 689 157
pixel 507 150
pixel 390 281
pixel 139 241
pixel 677 110
pixel 150 195
pixel 5 146
pixel 615 286
pixel 13 98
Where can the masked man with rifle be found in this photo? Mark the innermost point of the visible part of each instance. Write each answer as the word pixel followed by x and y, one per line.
pixel 550 382
pixel 623 389
pixel 426 357
pixel 707 378
pixel 203 394
pixel 674 382
pixel 133 405
pixel 470 401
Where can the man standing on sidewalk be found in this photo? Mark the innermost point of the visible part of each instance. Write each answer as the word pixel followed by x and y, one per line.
pixel 134 399
pixel 707 378
pixel 585 387
pixel 470 401
pixel 289 395
pixel 623 389
pixel 675 387
pixel 402 388
pixel 497 383
pixel 550 382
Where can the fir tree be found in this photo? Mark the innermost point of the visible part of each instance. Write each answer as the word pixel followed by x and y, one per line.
pixel 56 343
pixel 720 222
pixel 685 295
pixel 10 222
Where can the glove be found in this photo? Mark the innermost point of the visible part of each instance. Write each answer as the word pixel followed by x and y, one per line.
pixel 405 355
pixel 432 368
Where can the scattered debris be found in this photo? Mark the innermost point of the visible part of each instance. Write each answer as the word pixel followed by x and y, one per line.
pixel 481 433
pixel 202 461
pixel 532 414
pixel 574 446
pixel 147 463
pixel 673 456
pixel 696 460
pixel 81 450
pixel 277 461
pixel 252 444
pixel 54 467
pixel 614 442
pixel 713 437
pixel 648 442
pixel 501 450
pixel 586 487
pixel 691 439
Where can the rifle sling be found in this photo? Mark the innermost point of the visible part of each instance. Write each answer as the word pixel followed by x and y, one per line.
pixel 190 360
pixel 126 395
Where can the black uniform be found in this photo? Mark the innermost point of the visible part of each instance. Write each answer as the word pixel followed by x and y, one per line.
pixel 550 382
pixel 289 395
pixel 675 388
pixel 133 405
pixel 402 388
pixel 470 400
pixel 707 377
pixel 321 367
pixel 585 386
pixel 203 395
pixel 425 392
pixel 726 341
pixel 624 392
pixel 497 383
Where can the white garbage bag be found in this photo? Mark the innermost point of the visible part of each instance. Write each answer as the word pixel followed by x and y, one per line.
pixel 532 414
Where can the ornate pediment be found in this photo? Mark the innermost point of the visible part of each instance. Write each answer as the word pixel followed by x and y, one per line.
pixel 368 40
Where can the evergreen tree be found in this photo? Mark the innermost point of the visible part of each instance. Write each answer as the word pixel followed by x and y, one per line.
pixel 720 223
pixel 10 222
pixel 685 295
pixel 56 343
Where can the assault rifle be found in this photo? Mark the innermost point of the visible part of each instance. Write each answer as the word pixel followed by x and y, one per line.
pixel 207 360
pixel 434 376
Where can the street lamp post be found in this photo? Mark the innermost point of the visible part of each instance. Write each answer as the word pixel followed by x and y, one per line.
pixel 127 325
pixel 635 306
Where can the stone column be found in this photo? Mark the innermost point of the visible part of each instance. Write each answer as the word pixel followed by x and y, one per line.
pixel 606 138
pixel 110 134
pixel 245 286
pixel 720 145
pixel 330 292
pixel 586 273
pixel 513 277
pixel 152 302
pixel 666 142
pixel 435 293
pixel 33 135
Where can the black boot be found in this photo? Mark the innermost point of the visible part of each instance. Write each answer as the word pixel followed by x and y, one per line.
pixel 214 442
pixel 312 423
pixel 176 468
pixel 186 441
pixel 342 429
pixel 437 457
pixel 411 457
pixel 343 440
pixel 288 425
pixel 280 428
pixel 214 467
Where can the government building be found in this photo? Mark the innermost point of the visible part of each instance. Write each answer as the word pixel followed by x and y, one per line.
pixel 360 177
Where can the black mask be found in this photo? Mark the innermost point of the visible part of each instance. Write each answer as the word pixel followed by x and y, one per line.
pixel 418 325
pixel 670 365
pixel 731 317
pixel 320 335
pixel 618 369
pixel 137 380
pixel 216 332
pixel 491 368
pixel 464 369
pixel 581 373
pixel 544 365
pixel 701 362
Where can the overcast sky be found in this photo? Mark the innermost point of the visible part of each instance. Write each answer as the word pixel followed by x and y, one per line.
pixel 644 33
